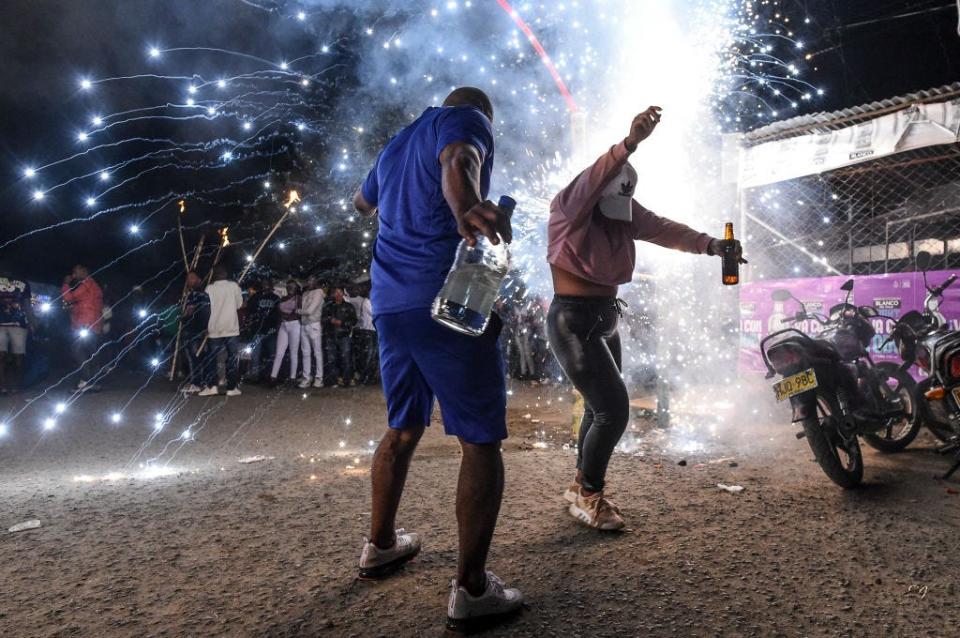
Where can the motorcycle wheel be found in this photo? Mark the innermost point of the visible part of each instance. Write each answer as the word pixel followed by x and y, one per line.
pixel 901 434
pixel 942 431
pixel 840 460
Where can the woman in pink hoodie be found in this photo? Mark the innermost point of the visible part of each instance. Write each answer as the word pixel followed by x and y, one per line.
pixel 594 223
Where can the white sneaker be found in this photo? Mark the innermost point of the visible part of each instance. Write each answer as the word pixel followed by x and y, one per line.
pixel 379 563
pixel 465 612
pixel 318 382
pixel 192 389
pixel 304 383
pixel 212 391
pixel 234 393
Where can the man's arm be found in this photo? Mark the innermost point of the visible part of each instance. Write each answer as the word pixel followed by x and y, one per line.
pixel 28 305
pixel 460 178
pixel 367 197
pixel 314 302
pixel 351 319
pixel 66 292
pixel 363 207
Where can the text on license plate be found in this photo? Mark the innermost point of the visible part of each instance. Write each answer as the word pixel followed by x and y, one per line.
pixel 795 384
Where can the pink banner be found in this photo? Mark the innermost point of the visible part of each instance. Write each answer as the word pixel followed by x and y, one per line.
pixel 892 295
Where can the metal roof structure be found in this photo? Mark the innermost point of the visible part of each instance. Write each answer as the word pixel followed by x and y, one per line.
pixel 823 122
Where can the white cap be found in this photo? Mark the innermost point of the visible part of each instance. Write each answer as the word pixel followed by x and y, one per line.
pixel 616 201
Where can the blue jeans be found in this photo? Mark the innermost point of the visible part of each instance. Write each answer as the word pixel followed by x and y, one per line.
pixel 263 348
pixel 339 358
pixel 214 346
pixel 194 360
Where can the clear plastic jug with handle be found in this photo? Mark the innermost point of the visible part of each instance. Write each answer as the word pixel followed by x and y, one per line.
pixel 466 300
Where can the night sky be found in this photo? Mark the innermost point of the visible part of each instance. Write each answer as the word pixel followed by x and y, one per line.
pixel 862 52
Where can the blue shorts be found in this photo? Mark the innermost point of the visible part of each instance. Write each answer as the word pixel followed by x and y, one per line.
pixel 421 359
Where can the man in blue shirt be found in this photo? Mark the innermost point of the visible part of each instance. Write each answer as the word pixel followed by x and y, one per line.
pixel 429 187
pixel 16 316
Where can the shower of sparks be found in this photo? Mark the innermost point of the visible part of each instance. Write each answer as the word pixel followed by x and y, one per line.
pixel 255 134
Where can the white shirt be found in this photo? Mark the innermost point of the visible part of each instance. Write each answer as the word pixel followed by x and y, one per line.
pixel 311 309
pixel 225 300
pixel 364 312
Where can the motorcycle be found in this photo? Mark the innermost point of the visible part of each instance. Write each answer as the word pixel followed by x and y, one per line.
pixel 923 339
pixel 836 390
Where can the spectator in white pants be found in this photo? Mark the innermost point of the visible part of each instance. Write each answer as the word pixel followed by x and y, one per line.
pixel 311 332
pixel 288 336
pixel 525 350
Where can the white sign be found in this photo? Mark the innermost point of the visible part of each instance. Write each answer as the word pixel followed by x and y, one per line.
pixel 915 127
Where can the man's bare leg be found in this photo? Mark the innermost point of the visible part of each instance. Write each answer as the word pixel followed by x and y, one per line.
pixel 479 492
pixel 388 475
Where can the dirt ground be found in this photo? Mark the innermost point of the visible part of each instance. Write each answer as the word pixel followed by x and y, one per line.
pixel 147 534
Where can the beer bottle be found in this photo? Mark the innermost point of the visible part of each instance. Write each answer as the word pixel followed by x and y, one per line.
pixel 731 264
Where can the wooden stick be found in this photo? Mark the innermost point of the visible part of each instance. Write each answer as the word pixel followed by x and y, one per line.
pixel 183 303
pixel 216 260
pixel 256 254
pixel 293 198
pixel 183 246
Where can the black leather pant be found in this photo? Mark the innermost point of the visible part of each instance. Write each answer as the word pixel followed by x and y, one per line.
pixel 583 336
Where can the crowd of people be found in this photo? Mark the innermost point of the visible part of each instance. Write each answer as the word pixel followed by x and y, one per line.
pixel 214 336
pixel 326 336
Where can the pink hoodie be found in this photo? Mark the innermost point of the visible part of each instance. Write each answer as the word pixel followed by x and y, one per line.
pixel 582 241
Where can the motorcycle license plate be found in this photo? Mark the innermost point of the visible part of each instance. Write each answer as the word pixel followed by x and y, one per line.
pixel 956 394
pixel 795 384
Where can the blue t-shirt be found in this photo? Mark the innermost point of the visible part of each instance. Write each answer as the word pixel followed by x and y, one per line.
pixel 418 234
pixel 14 302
